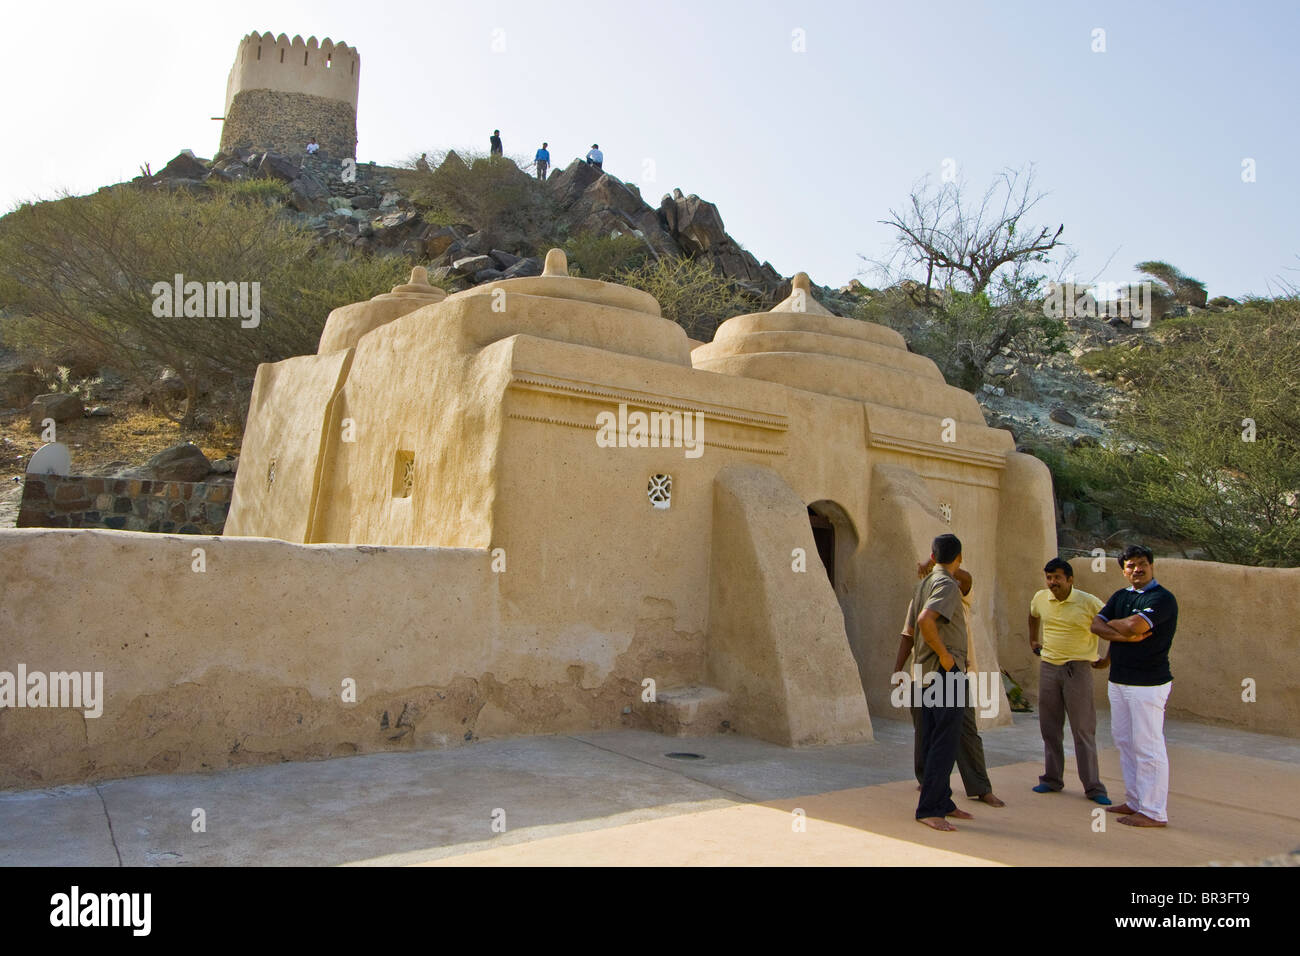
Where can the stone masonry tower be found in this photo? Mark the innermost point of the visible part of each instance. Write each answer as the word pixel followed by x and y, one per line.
pixel 282 92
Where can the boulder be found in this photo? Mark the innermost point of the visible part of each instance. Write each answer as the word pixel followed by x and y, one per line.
pixel 697 225
pixel 179 463
pixel 1062 416
pixel 472 264
pixel 363 201
pixel 478 243
pixel 19 387
pixel 169 384
pixel 610 193
pixel 569 186
pixel 488 275
pixel 399 222
pixel 59 406
pixel 524 268
pixel 504 260
pixel 437 239
pixel 183 166
pixel 307 194
pixel 277 166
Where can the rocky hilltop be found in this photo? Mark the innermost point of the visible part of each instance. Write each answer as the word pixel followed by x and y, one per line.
pixel 368 210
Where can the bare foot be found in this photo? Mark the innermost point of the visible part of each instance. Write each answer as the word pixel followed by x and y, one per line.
pixel 991 799
pixel 936 823
pixel 1122 808
pixel 1141 820
pixel 960 814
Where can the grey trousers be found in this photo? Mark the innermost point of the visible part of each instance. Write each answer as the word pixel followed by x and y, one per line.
pixel 970 754
pixel 1065 690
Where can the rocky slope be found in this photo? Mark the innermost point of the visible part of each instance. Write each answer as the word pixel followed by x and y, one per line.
pixel 367 211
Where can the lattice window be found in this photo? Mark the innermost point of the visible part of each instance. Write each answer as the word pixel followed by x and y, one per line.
pixel 945 509
pixel 660 490
pixel 270 473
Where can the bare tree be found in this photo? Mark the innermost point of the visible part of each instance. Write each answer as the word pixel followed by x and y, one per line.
pixel 943 236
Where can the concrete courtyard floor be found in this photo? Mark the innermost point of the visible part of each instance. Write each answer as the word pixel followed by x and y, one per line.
pixel 615 798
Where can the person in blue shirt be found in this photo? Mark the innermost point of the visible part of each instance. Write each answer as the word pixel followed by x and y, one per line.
pixel 543 161
pixel 495 142
pixel 595 157
pixel 1139 622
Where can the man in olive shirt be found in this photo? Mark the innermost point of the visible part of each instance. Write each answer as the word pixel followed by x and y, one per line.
pixel 1140 621
pixel 970 749
pixel 938 617
pixel 1068 650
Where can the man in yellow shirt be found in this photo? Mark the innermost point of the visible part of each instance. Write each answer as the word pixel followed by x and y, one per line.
pixel 1069 654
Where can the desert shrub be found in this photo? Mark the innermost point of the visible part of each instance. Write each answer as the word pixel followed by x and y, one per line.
pixel 85 272
pixel 603 257
pixel 1209 450
pixel 962 331
pixel 268 191
pixel 690 293
pixel 493 194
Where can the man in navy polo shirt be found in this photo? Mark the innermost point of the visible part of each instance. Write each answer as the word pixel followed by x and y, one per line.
pixel 1139 621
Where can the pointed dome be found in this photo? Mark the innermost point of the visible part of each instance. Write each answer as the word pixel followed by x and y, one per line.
pixel 347 323
pixel 801 298
pixel 802 345
pixel 565 308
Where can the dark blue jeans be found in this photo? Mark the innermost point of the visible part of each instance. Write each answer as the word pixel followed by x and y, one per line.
pixel 941 719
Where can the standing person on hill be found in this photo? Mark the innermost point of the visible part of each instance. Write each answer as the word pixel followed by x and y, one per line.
pixel 495 140
pixel 543 161
pixel 1140 621
pixel 1069 655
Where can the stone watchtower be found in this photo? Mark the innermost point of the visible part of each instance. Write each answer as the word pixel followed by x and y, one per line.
pixel 282 92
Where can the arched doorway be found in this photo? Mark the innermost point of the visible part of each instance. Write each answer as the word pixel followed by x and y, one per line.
pixel 823 530
pixel 837 546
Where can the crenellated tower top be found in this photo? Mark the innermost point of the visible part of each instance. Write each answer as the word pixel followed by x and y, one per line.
pixel 265 62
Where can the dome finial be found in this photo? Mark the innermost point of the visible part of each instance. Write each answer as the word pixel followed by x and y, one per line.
pixel 557 263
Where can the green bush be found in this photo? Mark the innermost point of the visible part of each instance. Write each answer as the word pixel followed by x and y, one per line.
pixel 81 271
pixel 961 332
pixel 690 293
pixel 269 191
pixel 604 257
pixel 1181 465
pixel 492 194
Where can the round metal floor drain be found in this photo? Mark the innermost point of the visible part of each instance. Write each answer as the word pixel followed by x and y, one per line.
pixel 680 755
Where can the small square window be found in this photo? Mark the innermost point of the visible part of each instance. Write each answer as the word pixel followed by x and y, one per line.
pixel 660 491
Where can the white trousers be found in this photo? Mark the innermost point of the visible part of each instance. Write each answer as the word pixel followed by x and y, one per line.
pixel 1137 724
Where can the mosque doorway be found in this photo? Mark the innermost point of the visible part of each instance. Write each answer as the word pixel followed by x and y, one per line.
pixel 836 538
pixel 824 536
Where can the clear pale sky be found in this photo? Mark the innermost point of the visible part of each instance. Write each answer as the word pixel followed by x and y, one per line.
pixel 1140 146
